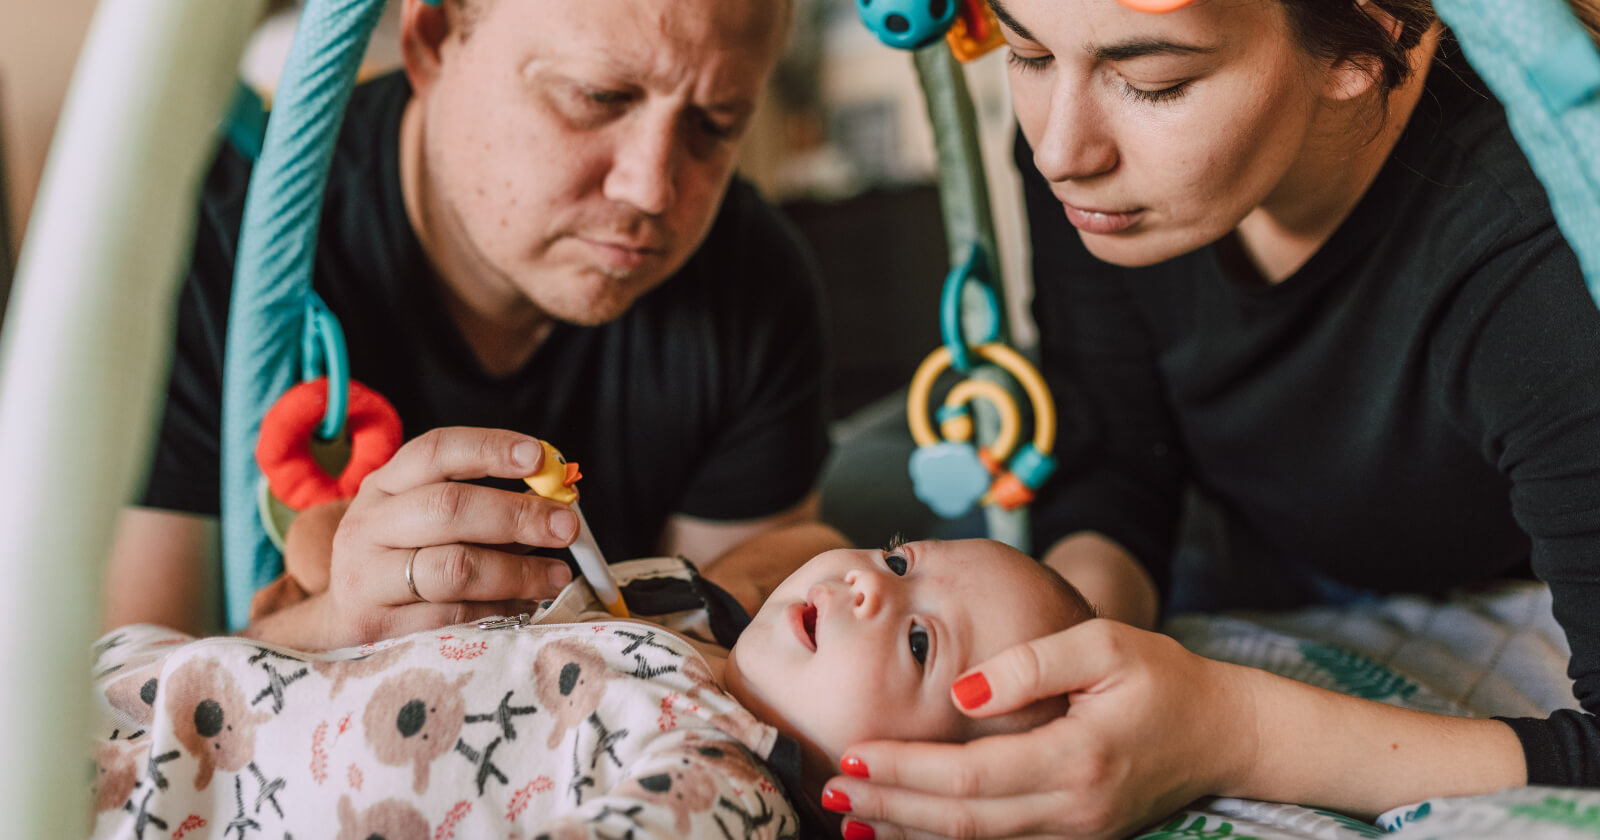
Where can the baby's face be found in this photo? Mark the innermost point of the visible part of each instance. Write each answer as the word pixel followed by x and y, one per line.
pixel 864 644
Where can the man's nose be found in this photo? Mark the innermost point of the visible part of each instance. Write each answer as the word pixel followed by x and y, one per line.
pixel 1076 143
pixel 644 166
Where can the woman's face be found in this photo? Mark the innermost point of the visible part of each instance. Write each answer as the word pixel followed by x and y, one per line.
pixel 1160 133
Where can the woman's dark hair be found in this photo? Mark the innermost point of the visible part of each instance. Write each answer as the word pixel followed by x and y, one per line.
pixel 1337 30
pixel 1342 29
pixel 1588 11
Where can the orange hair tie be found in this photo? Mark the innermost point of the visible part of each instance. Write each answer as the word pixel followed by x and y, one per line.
pixel 1156 6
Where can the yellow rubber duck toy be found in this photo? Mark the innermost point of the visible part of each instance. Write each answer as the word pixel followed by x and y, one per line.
pixel 557 477
pixel 557 480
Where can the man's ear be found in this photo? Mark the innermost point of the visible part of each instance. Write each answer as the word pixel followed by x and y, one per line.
pixel 424 29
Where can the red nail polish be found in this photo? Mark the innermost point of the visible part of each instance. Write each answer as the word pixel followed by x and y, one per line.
pixel 852 766
pixel 857 831
pixel 971 690
pixel 835 800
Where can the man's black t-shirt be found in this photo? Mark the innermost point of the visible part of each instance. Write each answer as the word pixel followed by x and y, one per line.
pixel 704 399
pixel 1416 408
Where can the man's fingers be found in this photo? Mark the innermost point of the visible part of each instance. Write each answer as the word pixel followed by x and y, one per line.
pixel 457 453
pixel 449 512
pixel 445 574
pixel 1074 659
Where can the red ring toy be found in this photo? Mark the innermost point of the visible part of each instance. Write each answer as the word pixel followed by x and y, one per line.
pixel 283 449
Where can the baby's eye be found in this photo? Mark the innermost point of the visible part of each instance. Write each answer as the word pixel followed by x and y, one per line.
pixel 896 564
pixel 919 643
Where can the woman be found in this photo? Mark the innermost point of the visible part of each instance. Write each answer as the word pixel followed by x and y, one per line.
pixel 1313 277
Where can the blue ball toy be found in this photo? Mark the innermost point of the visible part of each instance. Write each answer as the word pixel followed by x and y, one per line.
pixel 907 24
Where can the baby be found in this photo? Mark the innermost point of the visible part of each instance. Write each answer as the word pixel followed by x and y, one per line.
pixel 567 723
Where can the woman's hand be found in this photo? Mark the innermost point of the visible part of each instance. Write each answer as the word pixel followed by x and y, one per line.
pixel 1150 727
pixel 415 516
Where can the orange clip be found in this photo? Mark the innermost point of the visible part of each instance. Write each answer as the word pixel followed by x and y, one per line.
pixel 975 32
pixel 1009 492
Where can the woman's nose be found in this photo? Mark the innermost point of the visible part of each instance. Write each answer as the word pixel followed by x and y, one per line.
pixel 1075 144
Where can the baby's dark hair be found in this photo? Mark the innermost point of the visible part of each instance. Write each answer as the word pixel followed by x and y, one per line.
pixel 1081 609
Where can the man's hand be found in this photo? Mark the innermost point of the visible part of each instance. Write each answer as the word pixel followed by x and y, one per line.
pixel 1150 727
pixel 414 515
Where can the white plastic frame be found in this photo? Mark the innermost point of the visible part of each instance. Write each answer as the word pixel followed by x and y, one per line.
pixel 82 361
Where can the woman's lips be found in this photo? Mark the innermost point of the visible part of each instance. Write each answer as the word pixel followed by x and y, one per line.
pixel 803 620
pixel 1102 222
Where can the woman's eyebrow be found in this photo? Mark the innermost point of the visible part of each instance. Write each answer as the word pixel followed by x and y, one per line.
pixel 1142 47
pixel 1010 22
pixel 1135 48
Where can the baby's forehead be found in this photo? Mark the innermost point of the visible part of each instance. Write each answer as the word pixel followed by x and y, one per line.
pixel 1013 602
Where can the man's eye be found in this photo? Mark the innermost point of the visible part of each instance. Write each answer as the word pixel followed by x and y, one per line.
pixel 896 564
pixel 716 130
pixel 919 644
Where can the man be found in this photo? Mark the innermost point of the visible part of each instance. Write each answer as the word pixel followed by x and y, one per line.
pixel 533 231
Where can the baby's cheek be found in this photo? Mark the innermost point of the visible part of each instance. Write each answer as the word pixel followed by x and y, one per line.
pixel 1028 717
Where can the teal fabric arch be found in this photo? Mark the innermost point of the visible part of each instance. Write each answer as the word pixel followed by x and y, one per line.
pixel 272 279
pixel 1541 63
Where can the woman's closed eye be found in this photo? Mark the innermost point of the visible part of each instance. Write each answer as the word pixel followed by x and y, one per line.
pixel 1028 63
pixel 1166 94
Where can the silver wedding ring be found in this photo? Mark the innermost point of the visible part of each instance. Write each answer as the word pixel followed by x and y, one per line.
pixel 411 582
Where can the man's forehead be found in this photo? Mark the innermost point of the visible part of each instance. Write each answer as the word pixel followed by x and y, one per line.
pixel 650 36
pixel 729 21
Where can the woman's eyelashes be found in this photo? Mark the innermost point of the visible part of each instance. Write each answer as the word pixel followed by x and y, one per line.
pixel 1027 63
pixel 1166 94
pixel 1036 63
pixel 918 639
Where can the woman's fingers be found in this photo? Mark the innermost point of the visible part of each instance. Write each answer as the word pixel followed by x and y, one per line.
pixel 457 453
pixel 894 813
pixel 443 574
pixel 1148 727
pixel 1074 659
pixel 1000 765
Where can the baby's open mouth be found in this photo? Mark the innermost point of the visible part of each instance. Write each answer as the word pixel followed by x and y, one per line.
pixel 808 620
